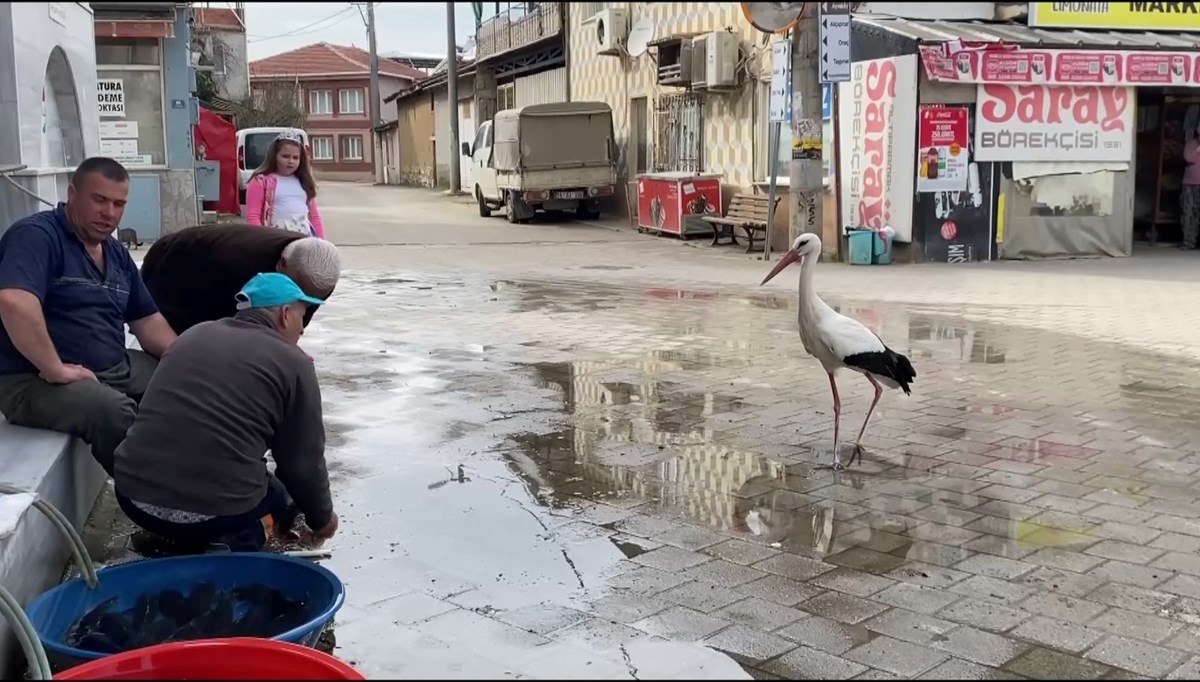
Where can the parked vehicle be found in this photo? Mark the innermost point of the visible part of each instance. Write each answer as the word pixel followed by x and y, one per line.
pixel 252 146
pixel 548 157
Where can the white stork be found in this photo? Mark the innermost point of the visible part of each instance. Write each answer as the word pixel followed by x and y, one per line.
pixel 838 341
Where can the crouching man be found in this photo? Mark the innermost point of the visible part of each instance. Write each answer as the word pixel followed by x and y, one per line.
pixel 191 468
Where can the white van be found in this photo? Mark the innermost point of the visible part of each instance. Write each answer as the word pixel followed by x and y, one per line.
pixel 252 146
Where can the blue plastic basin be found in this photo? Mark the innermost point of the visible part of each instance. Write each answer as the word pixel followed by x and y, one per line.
pixel 53 612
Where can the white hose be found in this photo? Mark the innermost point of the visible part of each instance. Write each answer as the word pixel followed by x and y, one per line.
pixel 35 654
pixel 78 550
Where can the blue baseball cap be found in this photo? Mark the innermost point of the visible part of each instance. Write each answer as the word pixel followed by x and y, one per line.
pixel 272 290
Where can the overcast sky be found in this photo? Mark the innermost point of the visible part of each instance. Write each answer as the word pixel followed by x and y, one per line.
pixel 274 27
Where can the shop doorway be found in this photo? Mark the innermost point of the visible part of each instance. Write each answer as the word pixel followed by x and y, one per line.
pixel 1166 121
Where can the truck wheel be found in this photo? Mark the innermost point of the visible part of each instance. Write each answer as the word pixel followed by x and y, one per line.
pixel 484 211
pixel 510 208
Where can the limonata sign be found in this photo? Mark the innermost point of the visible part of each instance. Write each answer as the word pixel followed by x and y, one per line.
pixel 1136 16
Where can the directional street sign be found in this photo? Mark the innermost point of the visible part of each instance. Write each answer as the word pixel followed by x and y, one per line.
pixel 835 42
pixel 781 81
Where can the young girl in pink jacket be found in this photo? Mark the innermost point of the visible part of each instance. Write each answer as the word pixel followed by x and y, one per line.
pixel 282 192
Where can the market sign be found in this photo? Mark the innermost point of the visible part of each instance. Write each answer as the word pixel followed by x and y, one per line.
pixel 1054 123
pixel 1121 16
pixel 1063 67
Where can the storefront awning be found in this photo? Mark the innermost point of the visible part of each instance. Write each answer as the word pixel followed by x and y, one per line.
pixel 135 28
pixel 987 52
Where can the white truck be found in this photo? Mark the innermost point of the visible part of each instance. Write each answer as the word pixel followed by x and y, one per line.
pixel 548 157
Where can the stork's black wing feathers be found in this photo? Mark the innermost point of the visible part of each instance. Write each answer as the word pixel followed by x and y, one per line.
pixel 886 363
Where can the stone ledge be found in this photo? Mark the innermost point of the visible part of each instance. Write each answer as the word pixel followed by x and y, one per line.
pixel 60 470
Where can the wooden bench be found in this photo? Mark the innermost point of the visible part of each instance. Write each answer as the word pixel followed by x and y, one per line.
pixel 747 212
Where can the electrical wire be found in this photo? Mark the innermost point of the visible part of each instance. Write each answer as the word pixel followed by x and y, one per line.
pixel 308 28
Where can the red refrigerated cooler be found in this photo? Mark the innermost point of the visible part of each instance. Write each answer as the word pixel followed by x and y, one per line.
pixel 673 203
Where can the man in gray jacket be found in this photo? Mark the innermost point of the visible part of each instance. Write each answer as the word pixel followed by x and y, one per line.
pixel 191 468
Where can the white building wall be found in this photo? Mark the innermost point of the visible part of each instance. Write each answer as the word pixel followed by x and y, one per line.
pixel 49 138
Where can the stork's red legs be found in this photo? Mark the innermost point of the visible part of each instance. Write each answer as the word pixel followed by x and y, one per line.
pixel 871 409
pixel 837 418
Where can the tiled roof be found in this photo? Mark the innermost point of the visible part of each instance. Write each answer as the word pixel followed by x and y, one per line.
pixel 323 59
pixel 217 17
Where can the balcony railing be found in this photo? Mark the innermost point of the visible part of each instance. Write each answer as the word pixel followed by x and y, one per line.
pixel 519 25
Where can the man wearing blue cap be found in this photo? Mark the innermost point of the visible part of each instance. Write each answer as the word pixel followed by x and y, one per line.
pixel 191 468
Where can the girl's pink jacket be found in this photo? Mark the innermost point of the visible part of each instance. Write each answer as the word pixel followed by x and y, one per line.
pixel 260 195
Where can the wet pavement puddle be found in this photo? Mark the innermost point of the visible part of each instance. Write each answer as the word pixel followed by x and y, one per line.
pixel 542 479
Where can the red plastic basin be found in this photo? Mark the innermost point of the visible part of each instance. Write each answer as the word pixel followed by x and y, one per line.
pixel 216 659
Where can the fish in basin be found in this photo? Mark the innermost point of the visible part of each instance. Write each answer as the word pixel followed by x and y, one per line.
pixel 254 610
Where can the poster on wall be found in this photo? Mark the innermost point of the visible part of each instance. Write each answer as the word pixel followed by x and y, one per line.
pixel 110 97
pixel 877 118
pixel 119 130
pixel 115 148
pixel 1054 123
pixel 942 138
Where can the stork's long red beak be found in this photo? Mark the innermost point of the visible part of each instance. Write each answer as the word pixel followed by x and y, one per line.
pixel 788 258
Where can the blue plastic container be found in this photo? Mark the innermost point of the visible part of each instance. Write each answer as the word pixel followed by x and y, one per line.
pixel 883 250
pixel 862 246
pixel 53 612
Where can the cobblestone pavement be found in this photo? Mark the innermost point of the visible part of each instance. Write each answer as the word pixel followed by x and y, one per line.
pixel 637 468
pixel 562 462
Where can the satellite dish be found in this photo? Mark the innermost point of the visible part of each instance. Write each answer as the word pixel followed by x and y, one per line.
pixel 773 17
pixel 640 36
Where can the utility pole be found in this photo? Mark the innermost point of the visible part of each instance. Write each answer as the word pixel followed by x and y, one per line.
pixel 376 102
pixel 806 191
pixel 452 95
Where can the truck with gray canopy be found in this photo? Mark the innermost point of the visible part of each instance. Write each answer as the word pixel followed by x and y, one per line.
pixel 548 157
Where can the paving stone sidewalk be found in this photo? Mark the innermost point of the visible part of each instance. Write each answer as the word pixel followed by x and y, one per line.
pixel 1029 512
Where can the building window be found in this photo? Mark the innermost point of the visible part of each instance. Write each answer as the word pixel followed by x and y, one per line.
pixel 220 57
pixel 129 51
pixel 679 127
pixel 352 147
pixel 130 72
pixel 351 102
pixel 322 148
pixel 320 102
pixel 506 97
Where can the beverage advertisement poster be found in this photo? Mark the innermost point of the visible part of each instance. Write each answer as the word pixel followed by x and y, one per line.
pixel 942 155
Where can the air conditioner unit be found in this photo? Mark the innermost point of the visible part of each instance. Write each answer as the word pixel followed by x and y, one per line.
pixel 699 62
pixel 720 60
pixel 612 27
